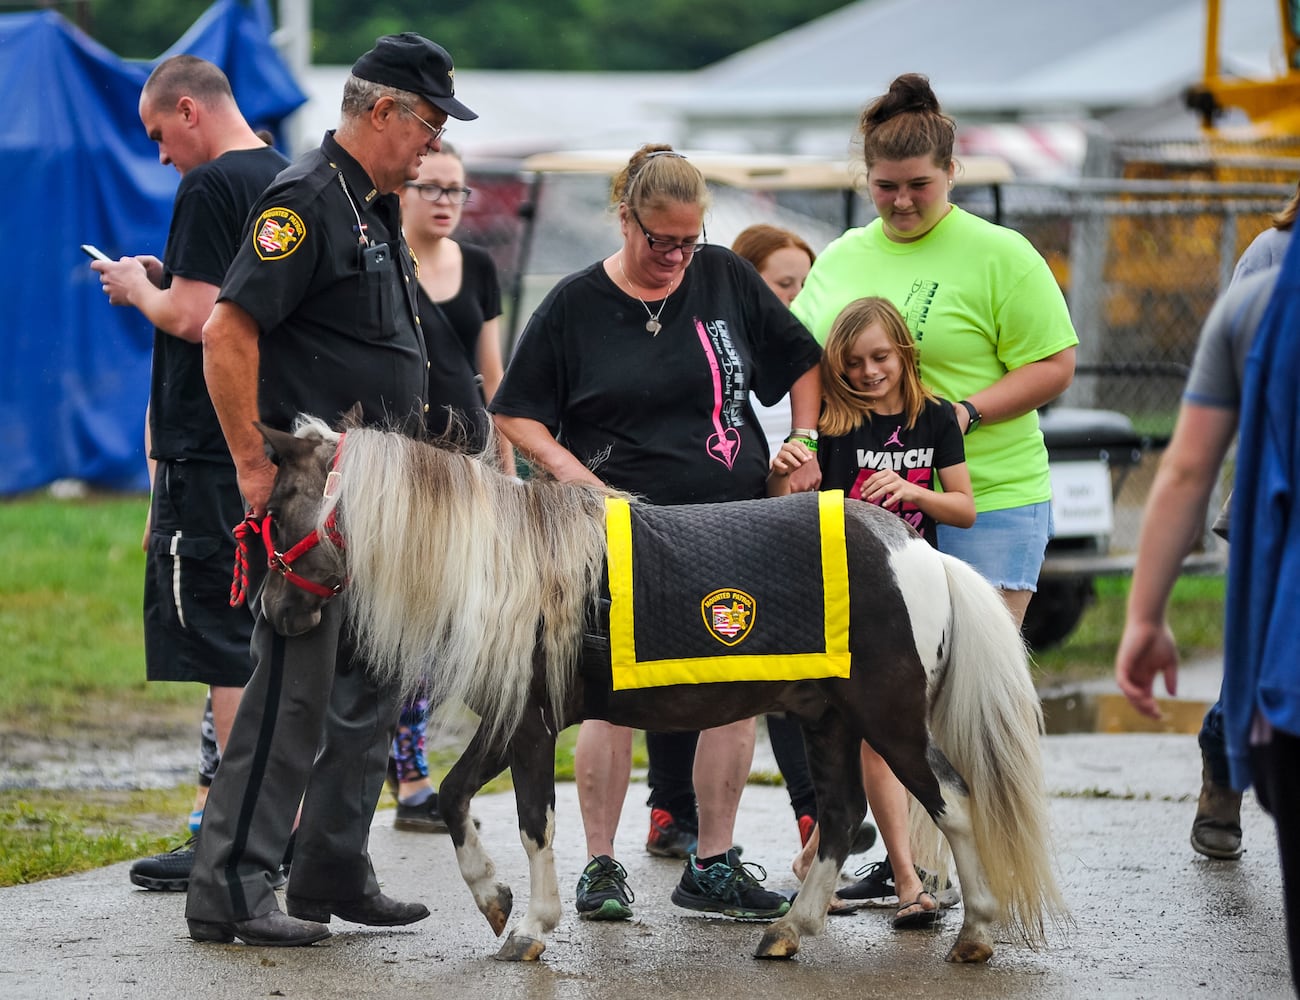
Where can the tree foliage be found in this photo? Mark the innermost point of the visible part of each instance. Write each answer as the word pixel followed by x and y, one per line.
pixel 488 34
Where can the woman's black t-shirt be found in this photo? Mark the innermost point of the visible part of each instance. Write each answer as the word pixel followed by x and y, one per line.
pixel 667 415
pixel 451 331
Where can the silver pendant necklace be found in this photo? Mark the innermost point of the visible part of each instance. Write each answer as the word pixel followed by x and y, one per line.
pixel 652 325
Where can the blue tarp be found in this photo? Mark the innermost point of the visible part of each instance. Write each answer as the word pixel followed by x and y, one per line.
pixel 76 167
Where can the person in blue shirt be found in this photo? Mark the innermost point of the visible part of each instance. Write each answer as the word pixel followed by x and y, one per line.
pixel 1245 362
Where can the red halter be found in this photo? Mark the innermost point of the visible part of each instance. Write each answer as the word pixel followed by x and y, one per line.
pixel 282 562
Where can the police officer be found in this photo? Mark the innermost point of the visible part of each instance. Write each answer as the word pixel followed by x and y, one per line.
pixel 317 313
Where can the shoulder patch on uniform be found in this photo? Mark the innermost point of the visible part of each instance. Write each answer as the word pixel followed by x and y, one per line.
pixel 278 233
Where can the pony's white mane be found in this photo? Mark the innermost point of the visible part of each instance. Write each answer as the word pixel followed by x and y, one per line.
pixel 457 573
pixel 305 425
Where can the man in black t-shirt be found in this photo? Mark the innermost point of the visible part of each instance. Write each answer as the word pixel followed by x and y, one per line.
pixel 317 313
pixel 191 633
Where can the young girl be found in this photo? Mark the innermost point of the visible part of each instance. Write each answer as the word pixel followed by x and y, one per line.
pixel 883 438
pixel 883 435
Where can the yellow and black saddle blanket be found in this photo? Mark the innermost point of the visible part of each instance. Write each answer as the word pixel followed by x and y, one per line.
pixel 755 590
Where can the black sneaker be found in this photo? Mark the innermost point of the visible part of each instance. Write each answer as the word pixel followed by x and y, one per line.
pixel 875 886
pixel 603 893
pixel 168 872
pixel 730 888
pixel 669 837
pixel 423 818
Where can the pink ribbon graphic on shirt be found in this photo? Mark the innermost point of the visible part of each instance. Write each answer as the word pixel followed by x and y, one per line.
pixel 724 443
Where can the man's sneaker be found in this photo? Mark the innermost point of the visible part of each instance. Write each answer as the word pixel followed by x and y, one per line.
pixel 806 826
pixel 669 837
pixel 422 818
pixel 168 872
pixel 730 888
pixel 603 893
pixel 1216 830
pixel 875 887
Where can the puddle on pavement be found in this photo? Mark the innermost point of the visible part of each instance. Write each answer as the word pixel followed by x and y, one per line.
pixel 1107 712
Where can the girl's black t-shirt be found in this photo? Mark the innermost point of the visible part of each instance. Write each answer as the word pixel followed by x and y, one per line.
pixel 886 442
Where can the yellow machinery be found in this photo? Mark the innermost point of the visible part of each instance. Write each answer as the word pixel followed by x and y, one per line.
pixel 1272 105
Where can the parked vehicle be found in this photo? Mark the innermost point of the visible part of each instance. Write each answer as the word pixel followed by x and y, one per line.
pixel 1090 454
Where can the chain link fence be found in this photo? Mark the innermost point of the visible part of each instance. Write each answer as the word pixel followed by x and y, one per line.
pixel 1141 262
pixel 1143 265
pixel 1141 259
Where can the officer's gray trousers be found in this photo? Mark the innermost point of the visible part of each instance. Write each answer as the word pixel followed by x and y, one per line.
pixel 312 728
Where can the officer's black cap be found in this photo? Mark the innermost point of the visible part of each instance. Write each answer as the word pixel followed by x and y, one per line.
pixel 412 63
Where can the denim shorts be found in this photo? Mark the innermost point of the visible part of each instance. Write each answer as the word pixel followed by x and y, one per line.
pixel 1006 546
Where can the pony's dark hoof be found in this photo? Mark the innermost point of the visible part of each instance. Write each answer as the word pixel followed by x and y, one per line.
pixel 777 943
pixel 497 909
pixel 970 952
pixel 520 949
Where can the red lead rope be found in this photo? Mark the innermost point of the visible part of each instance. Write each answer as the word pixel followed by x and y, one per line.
pixel 282 562
pixel 239 586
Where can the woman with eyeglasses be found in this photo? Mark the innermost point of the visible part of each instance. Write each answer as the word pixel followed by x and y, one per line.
pixel 635 372
pixel 460 308
pixel 459 300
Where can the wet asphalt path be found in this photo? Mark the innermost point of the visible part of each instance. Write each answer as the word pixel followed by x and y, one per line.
pixel 1151 918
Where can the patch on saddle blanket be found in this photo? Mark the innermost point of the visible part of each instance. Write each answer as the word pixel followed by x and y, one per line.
pixel 755 590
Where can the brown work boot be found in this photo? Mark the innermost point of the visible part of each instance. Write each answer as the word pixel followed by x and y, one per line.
pixel 1216 831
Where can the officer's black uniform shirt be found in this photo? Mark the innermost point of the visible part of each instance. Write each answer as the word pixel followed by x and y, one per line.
pixel 329 280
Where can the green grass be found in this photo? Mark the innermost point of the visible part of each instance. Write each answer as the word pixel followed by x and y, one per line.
pixel 1195 615
pixel 48 834
pixel 70 610
pixel 71 634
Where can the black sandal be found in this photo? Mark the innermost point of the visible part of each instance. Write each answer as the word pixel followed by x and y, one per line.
pixel 919 919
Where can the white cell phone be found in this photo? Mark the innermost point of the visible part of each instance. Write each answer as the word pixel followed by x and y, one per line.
pixel 95 253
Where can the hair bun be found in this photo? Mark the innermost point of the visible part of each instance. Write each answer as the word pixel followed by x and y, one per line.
pixel 910 92
pixel 905 122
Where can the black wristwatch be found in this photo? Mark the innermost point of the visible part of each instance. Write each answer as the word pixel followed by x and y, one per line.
pixel 974 414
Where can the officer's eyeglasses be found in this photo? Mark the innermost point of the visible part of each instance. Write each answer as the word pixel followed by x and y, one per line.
pixel 432 192
pixel 437 132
